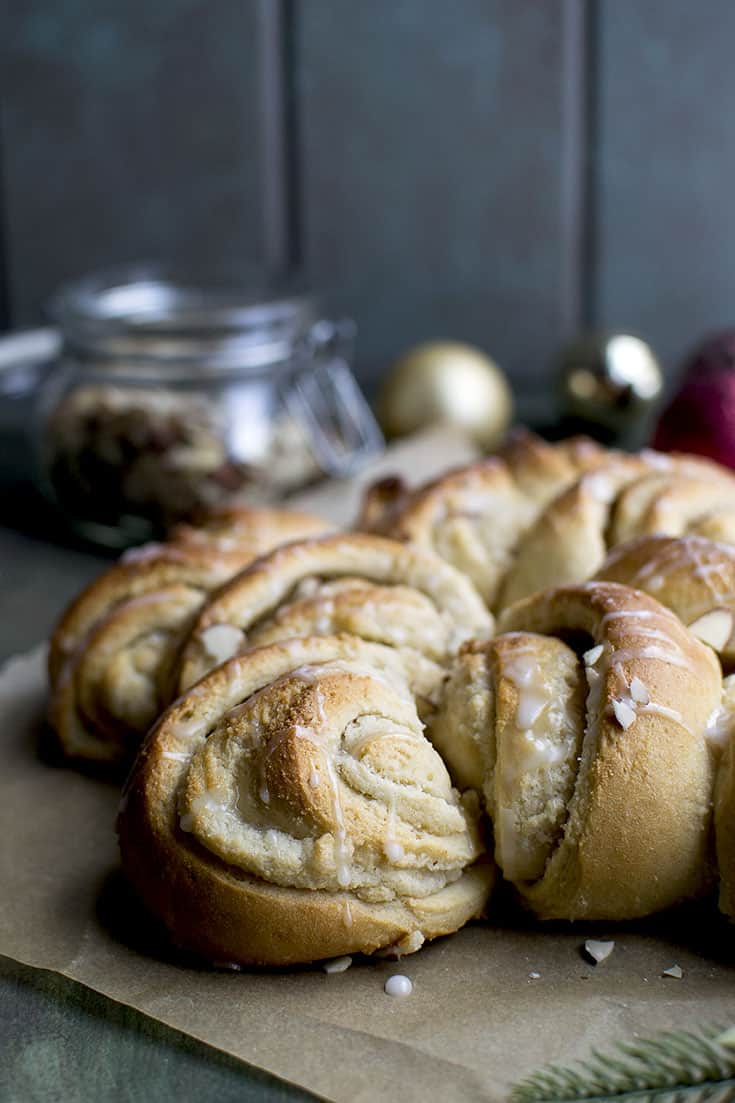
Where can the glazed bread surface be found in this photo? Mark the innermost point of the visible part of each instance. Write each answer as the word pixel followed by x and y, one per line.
pixel 693 576
pixel 585 724
pixel 111 654
pixel 364 585
pixel 289 807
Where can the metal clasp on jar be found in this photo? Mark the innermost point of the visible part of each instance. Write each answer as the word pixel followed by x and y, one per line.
pixel 325 398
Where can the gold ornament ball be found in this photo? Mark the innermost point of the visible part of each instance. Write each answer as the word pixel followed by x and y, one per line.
pixel 610 379
pixel 446 382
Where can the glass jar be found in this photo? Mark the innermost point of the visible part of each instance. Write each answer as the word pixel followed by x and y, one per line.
pixel 170 397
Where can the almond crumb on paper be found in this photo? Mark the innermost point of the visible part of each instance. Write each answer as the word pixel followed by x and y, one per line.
pixel 674 971
pixel 337 964
pixel 534 976
pixel 598 951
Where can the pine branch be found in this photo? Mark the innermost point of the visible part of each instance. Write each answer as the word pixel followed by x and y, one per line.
pixel 673 1067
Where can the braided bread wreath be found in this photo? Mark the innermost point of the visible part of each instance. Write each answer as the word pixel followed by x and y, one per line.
pixel 289 807
pixel 348 728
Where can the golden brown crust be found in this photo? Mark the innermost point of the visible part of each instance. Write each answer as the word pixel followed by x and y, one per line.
pixel 690 575
pixel 381 505
pixel 142 571
pixel 248 530
pixel 625 497
pixel 541 470
pixel 636 834
pixel 474 516
pixel 317 819
pixel 567 543
pixel 111 653
pixel 366 585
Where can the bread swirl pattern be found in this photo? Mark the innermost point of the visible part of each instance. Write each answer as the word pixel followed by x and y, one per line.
pixel 474 516
pixel 289 807
pixel 691 575
pixel 247 530
pixel 368 586
pixel 630 496
pixel 112 651
pixel 539 515
pixel 586 729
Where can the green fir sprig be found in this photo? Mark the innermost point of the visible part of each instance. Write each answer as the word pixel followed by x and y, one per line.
pixel 673 1067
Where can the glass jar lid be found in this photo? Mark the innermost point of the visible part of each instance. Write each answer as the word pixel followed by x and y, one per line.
pixel 150 316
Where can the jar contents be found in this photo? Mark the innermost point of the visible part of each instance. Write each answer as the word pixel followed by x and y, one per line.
pixel 159 455
pixel 169 397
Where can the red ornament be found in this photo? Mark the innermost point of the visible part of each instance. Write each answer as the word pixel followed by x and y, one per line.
pixel 701 417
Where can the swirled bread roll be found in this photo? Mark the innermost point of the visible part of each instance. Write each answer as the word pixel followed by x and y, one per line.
pixel 626 497
pixel 585 725
pixel 111 653
pixel 365 585
pixel 289 808
pixel 474 516
pixel 691 575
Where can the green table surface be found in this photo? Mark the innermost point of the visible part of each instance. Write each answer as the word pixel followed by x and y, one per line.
pixel 59 1040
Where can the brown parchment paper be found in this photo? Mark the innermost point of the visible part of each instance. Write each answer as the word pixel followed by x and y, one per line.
pixel 475 1023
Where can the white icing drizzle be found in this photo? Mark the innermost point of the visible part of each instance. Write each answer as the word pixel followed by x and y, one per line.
pixel 347 919
pixel 190 729
pixel 342 845
pixel 530 707
pixel 634 699
pixel 210 801
pixel 685 551
pixel 600 486
pixel 536 751
pixel 625 654
pixel 398 985
pixel 668 713
pixel 393 849
pixel 337 964
pixel 623 614
pixel 720 724
pixel 175 756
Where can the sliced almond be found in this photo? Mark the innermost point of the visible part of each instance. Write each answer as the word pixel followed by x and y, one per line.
pixel 337 964
pixel 625 714
pixel 713 628
pixel 598 951
pixel 674 971
pixel 638 691
pixel 590 657
pixel 222 641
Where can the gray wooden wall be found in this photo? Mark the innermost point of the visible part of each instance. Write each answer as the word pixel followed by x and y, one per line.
pixel 503 171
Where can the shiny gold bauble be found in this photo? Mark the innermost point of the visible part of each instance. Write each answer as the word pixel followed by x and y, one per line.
pixel 610 379
pixel 446 382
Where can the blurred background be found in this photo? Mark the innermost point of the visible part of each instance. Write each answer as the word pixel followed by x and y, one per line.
pixel 499 171
pixel 510 174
